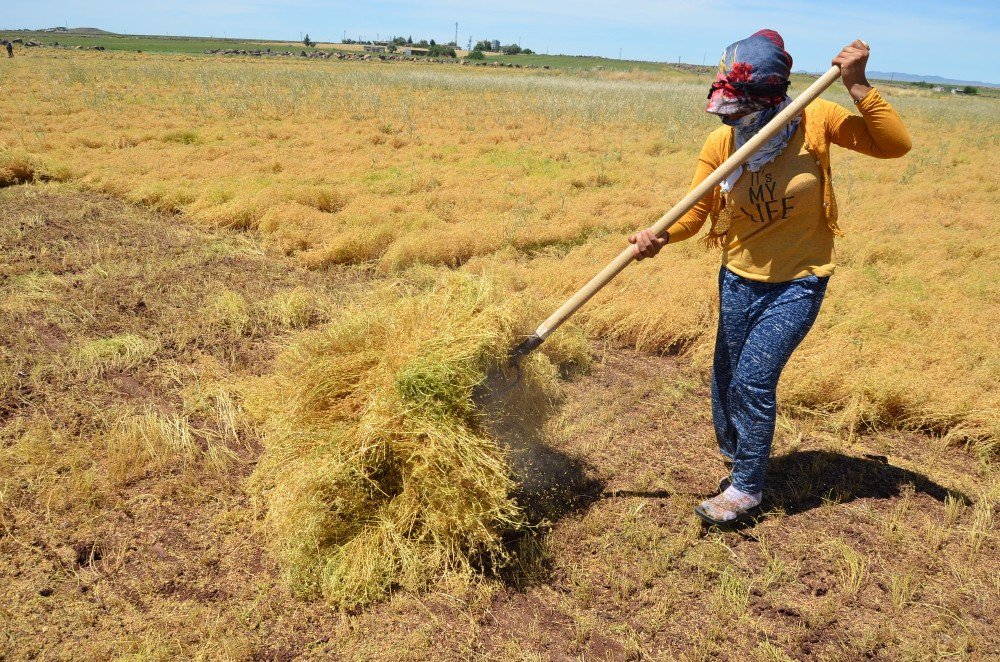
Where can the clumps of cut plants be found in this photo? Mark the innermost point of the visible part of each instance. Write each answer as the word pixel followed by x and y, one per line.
pixel 378 472
pixel 15 169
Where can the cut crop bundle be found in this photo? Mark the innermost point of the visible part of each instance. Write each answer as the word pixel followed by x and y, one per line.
pixel 377 470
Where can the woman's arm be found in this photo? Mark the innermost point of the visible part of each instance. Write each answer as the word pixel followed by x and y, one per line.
pixel 646 244
pixel 852 61
pixel 879 131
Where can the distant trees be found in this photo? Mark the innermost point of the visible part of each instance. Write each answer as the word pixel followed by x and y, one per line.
pixel 509 49
pixel 967 89
pixel 440 50
pixel 435 49
pixel 307 42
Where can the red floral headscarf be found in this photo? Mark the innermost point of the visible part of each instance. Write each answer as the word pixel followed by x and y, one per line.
pixel 753 74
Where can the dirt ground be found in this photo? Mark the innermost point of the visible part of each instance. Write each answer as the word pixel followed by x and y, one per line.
pixel 880 545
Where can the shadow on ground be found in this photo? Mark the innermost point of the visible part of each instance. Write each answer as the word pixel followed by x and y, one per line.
pixel 803 480
pixel 552 483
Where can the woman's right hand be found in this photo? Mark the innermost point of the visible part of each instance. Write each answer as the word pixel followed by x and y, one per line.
pixel 646 244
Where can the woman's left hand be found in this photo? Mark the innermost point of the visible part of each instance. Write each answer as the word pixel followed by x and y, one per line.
pixel 852 60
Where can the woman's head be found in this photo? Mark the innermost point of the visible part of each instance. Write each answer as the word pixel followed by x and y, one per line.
pixel 753 75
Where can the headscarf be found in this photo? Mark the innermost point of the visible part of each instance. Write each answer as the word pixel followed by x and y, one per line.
pixel 753 78
pixel 753 74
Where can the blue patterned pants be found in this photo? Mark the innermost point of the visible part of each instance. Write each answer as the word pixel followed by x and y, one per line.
pixel 760 325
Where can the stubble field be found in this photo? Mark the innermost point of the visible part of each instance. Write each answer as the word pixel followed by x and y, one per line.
pixel 176 225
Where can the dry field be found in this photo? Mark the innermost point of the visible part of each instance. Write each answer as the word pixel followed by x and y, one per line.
pixel 187 241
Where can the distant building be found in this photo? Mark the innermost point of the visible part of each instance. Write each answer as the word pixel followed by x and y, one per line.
pixel 410 50
pixel 496 44
pixel 374 48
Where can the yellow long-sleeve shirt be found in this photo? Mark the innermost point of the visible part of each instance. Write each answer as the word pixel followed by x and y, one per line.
pixel 782 219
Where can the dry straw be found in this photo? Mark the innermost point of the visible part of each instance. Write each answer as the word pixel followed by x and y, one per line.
pixel 378 472
pixel 544 174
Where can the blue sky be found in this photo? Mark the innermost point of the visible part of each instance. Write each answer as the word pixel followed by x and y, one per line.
pixel 951 39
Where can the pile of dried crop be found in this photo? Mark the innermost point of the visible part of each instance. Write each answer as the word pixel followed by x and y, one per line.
pixel 378 472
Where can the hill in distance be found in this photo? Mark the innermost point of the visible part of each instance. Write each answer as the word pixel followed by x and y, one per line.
pixel 78 31
pixel 916 78
pixel 89 31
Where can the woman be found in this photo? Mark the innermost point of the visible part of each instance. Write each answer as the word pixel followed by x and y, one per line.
pixel 775 219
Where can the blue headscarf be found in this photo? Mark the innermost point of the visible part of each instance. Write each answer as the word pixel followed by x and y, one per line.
pixel 753 74
pixel 753 79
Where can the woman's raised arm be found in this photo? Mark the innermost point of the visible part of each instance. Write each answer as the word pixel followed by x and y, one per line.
pixel 879 131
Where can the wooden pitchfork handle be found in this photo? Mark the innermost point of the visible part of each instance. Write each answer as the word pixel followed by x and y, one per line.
pixel 625 258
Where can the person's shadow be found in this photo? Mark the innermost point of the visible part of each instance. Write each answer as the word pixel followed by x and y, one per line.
pixel 802 480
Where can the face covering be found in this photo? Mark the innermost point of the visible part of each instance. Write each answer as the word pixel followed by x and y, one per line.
pixel 747 127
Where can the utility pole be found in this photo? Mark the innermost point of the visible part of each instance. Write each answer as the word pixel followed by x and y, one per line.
pixel 456 34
